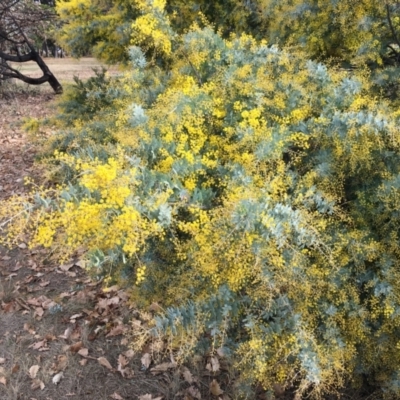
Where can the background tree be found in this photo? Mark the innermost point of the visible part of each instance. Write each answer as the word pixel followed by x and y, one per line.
pixel 99 27
pixel 20 22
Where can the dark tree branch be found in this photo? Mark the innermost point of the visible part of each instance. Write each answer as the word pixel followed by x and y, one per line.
pixel 26 79
pixel 24 58
pixel 8 39
pixel 6 8
pixel 391 25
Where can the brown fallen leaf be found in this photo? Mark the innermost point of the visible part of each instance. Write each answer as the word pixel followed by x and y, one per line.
pixel 39 312
pixel 149 397
pixel 76 334
pixel 29 328
pixel 127 372
pixel 2 360
pixel 15 368
pixel 38 345
pixel 122 361
pixel 83 352
pixel 213 365
pixel 60 364
pixel 66 267
pixel 193 392
pixel 221 352
pixel 113 301
pixel 17 267
pixel 111 289
pixel 129 353
pixel 48 304
pixel 118 330
pixel 33 371
pixel 116 396
pixel 74 348
pixel 34 302
pixel 146 360
pixel 163 367
pixel 102 304
pixel 105 363
pixel 36 384
pixel 215 388
pixel 3 380
pixel 81 264
pixel 8 307
pixel 66 334
pixel 83 362
pixel 187 375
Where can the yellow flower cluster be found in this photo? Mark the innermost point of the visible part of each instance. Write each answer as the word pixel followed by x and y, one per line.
pixel 104 218
pixel 140 274
pixel 152 28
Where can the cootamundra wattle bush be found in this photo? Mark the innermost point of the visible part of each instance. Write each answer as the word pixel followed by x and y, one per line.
pixel 358 33
pixel 251 193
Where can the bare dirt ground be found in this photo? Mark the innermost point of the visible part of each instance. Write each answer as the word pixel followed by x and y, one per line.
pixel 61 333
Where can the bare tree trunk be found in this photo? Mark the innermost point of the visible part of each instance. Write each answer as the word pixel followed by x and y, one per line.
pixel 54 83
pixel 46 47
pixel 3 64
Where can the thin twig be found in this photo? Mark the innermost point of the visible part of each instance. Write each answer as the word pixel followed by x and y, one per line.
pixel 194 69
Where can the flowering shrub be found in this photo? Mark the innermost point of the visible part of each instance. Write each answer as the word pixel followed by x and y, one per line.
pixel 252 192
pixel 362 32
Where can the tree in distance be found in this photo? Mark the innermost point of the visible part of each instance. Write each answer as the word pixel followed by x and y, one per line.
pixel 20 22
